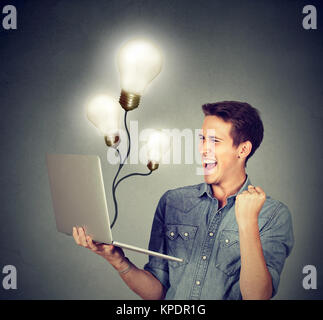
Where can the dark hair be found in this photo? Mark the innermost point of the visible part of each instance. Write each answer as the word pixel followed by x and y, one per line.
pixel 245 119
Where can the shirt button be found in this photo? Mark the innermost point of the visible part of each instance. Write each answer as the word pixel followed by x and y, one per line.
pixel 226 240
pixel 186 234
pixel 204 257
pixel 211 234
pixel 198 283
pixel 172 234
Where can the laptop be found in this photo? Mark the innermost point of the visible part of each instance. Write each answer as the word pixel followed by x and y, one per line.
pixel 78 197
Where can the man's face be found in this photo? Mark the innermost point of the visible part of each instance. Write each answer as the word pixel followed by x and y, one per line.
pixel 219 156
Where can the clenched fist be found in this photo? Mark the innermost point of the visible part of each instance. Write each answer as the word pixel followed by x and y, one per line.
pixel 248 205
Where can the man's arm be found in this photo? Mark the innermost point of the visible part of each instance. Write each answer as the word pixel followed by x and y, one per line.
pixel 142 282
pixel 255 279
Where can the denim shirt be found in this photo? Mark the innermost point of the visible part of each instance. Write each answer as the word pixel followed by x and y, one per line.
pixel 188 224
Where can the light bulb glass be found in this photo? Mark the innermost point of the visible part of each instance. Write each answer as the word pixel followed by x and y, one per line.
pixel 104 112
pixel 158 144
pixel 139 62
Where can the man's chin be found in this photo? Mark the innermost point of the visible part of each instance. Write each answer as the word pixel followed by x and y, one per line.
pixel 209 179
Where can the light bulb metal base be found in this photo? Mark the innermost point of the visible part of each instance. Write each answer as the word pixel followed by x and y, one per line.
pixel 152 165
pixel 112 141
pixel 129 101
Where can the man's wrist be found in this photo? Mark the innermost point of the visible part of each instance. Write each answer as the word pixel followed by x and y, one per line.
pixel 123 265
pixel 127 268
pixel 249 227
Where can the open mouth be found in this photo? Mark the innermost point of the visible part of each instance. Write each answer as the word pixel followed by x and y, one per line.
pixel 209 164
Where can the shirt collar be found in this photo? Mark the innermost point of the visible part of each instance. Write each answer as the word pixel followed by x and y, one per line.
pixel 207 188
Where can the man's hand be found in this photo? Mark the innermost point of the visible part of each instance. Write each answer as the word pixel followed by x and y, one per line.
pixel 248 205
pixel 112 254
pixel 142 282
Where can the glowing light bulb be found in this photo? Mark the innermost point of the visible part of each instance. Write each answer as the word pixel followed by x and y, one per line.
pixel 104 113
pixel 139 62
pixel 158 144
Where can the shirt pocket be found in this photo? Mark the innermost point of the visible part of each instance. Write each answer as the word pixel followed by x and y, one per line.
pixel 180 241
pixel 228 256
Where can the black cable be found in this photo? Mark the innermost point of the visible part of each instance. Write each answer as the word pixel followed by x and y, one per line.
pixel 114 184
pixel 132 174
pixel 119 169
pixel 129 141
pixel 114 197
pixel 113 192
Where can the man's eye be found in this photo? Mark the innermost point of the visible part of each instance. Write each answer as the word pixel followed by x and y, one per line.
pixel 211 140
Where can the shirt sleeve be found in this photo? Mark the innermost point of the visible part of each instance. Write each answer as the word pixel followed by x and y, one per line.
pixel 158 266
pixel 277 241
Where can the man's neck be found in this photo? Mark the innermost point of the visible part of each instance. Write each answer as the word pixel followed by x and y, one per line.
pixel 223 190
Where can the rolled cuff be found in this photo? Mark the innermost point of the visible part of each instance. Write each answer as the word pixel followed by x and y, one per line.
pixel 275 280
pixel 158 273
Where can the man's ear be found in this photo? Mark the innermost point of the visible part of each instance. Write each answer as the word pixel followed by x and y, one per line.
pixel 245 149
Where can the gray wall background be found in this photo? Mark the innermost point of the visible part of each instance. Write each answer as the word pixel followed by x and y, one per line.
pixel 64 51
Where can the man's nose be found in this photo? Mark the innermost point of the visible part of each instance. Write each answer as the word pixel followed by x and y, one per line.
pixel 207 148
pixel 202 148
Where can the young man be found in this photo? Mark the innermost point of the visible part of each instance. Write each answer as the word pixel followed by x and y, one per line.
pixel 233 238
